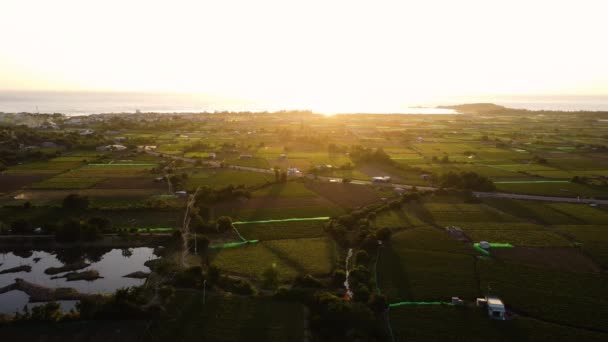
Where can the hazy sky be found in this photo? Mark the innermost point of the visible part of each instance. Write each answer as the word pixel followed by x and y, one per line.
pixel 308 53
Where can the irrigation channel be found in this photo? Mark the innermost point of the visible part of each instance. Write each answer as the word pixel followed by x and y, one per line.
pixel 349 256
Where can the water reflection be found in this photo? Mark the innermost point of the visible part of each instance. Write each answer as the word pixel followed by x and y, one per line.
pixel 112 265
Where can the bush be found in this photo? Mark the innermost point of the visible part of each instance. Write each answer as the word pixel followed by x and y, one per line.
pixel 307 281
pixel 69 231
pixel 270 278
pixel 190 277
pixel 238 286
pixel 224 223
pixel 384 234
pixel 75 202
pixel 21 226
pixel 362 258
pixel 466 180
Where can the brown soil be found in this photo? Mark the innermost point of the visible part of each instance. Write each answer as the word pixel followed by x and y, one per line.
pixel 345 195
pixel 265 202
pixel 561 258
pixel 9 183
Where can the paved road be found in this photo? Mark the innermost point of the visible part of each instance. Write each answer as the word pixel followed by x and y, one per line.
pixel 395 185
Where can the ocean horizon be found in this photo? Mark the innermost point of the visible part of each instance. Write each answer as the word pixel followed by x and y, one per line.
pixel 84 103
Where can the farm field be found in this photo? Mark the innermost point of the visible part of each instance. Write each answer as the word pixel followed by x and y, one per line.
pixel 420 323
pixel 407 244
pixel 222 178
pixel 231 319
pixel 282 230
pixel 290 257
pixel 425 264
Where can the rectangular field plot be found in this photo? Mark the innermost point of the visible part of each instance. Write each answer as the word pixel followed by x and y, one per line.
pixel 289 189
pixel 557 296
pixel 419 323
pixel 281 230
pixel 222 178
pixel 292 257
pixel 593 240
pixel 418 275
pixel 42 167
pixel 230 319
pixel 581 212
pixel 397 219
pixel 540 212
pixel 553 189
pixel 444 213
pixel 518 234
pixel 67 181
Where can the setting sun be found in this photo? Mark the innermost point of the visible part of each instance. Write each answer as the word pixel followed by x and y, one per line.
pixel 328 56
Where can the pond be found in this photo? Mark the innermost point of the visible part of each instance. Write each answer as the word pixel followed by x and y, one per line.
pixel 112 265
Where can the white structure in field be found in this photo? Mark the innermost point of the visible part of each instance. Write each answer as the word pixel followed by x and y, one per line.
pixel 496 309
pixel 385 179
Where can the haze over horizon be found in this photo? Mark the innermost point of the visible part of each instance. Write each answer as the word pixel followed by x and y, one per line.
pixel 337 56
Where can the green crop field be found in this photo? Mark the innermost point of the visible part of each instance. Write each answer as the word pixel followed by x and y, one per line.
pixel 518 234
pixel 282 230
pixel 449 323
pixel 289 189
pixel 397 219
pixel 425 264
pixel 290 257
pixel 547 294
pixel 240 214
pixel 593 240
pixel 230 319
pixel 222 178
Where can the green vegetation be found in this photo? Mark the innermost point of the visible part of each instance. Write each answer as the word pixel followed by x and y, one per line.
pixel 291 257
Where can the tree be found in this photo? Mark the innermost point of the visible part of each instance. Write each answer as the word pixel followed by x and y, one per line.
pixel 362 257
pixel 75 202
pixel 378 303
pixel 270 278
pixel 213 274
pixel 384 234
pixel 102 224
pixel 90 233
pixel 69 232
pixel 224 223
pixel 21 226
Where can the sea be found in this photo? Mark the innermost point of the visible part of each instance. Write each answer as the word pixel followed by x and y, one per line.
pixel 83 103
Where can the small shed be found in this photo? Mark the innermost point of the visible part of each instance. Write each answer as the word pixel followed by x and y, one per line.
pixel 181 194
pixel 496 308
pixel 484 244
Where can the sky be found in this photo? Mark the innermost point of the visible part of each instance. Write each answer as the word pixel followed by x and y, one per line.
pixel 353 55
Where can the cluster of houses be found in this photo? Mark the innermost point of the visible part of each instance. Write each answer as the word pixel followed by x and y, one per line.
pixel 114 147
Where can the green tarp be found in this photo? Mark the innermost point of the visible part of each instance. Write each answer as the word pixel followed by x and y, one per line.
pixel 234 244
pixel 418 303
pixel 323 218
pixel 123 164
pixel 154 230
pixel 492 245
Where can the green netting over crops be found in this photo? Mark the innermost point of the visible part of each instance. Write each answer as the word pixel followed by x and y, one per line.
pixel 154 230
pixel 122 164
pixel 532 182
pixel 480 250
pixel 492 244
pixel 322 218
pixel 233 244
pixel 418 303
